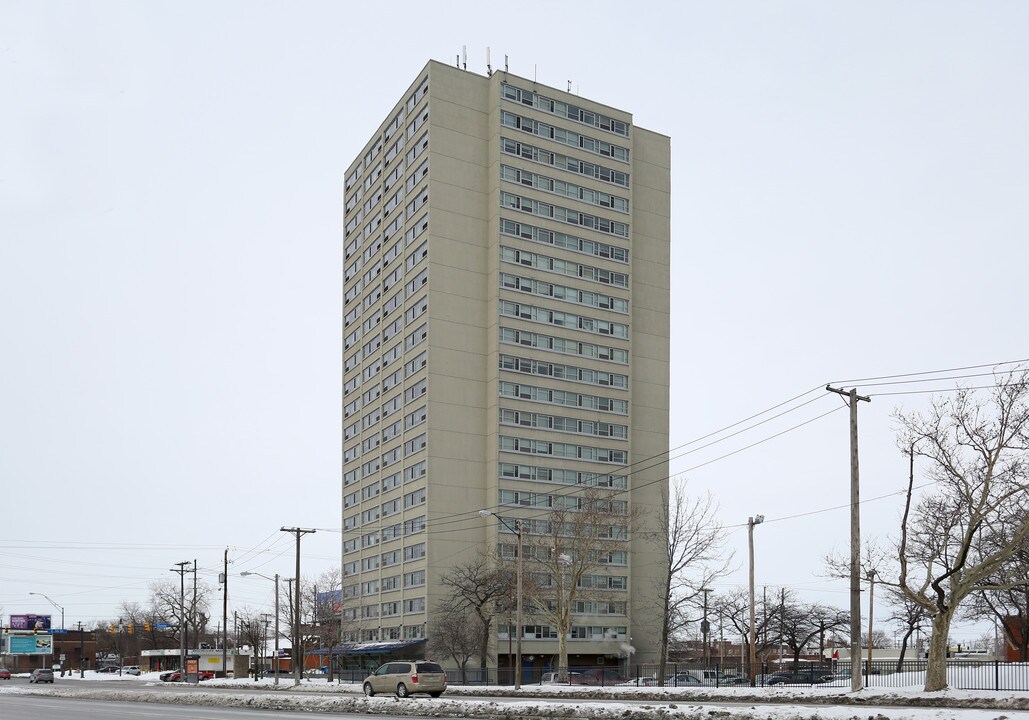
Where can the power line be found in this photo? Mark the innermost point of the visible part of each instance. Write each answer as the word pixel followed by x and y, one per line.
pixel 861 381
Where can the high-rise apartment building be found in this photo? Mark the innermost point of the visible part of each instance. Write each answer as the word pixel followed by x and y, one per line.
pixel 505 322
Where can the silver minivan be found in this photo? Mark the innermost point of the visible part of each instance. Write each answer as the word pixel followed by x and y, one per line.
pixel 407 678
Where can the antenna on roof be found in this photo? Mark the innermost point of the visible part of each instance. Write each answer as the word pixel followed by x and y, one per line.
pixel 505 63
pixel 464 57
pixel 457 61
pixel 489 68
pixel 569 86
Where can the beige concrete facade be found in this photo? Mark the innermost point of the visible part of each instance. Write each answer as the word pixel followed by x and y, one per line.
pixel 506 314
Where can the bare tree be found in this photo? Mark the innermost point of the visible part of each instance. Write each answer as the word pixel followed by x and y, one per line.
pixel 254 631
pixel 955 540
pixel 907 614
pixel 164 605
pixel 453 633
pixel 803 623
pixel 567 555
pixel 326 603
pixel 691 540
pixel 734 608
pixel 1009 608
pixel 478 590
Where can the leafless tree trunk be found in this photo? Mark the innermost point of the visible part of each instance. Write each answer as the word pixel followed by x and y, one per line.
pixel 478 588
pixel 453 634
pixel 567 557
pixel 691 547
pixel 956 539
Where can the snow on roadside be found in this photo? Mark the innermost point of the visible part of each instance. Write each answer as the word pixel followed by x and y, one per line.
pixel 567 703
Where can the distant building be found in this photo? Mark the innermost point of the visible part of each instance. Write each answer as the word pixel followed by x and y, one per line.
pixel 506 337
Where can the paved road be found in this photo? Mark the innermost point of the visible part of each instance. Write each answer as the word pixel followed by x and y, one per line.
pixel 29 707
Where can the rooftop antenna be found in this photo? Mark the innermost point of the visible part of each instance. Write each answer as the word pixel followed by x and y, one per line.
pixel 505 63
pixel 457 61
pixel 489 68
pixel 464 57
pixel 569 86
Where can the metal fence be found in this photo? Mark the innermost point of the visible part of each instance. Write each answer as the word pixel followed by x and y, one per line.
pixel 961 674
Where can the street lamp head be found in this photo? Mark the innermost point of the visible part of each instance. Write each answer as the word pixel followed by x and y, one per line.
pixel 485 513
pixel 758 519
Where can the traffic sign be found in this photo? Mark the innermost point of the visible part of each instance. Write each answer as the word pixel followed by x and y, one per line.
pixel 57 631
pixel 162 626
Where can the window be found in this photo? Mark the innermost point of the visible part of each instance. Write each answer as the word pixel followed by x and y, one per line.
pixel 391 482
pixel 414 445
pixel 414 498
pixel 414 472
pixel 391 507
pixel 414 605
pixel 414 552
pixel 415 364
pixel 416 417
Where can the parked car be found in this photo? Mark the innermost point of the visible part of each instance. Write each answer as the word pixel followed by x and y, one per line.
pixel 683 679
pixel 804 676
pixel 171 676
pixel 131 670
pixel 641 682
pixel 41 675
pixel 281 672
pixel 605 677
pixel 5 674
pixel 108 669
pixel 716 678
pixel 573 678
pixel 407 678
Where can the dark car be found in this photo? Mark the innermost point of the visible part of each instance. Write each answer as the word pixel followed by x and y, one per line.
pixel 109 669
pixel 41 675
pixel 171 676
pixel 804 676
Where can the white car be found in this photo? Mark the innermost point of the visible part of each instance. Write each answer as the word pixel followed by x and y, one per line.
pixel 131 670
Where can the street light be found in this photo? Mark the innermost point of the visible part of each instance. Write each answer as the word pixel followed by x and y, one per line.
pixel 751 522
pixel 517 530
pixel 54 604
pixel 62 624
pixel 276 581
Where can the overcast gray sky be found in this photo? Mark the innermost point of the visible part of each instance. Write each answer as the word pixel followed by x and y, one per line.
pixel 849 201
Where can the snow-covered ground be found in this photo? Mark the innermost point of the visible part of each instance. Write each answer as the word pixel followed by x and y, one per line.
pixel 559 702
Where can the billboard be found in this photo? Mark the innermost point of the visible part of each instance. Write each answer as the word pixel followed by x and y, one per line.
pixel 30 622
pixel 333 597
pixel 31 645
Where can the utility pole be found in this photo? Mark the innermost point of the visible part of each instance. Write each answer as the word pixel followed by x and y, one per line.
pixel 82 653
pixel 752 654
pixel 276 628
pixel 782 621
pixel 225 614
pixel 855 538
pixel 180 568
pixel 298 649
pixel 193 611
pixel 871 591
pixel 704 627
